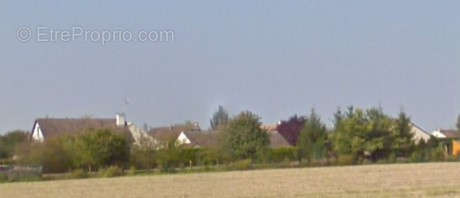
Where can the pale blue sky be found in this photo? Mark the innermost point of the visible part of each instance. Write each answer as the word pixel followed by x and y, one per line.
pixel 275 58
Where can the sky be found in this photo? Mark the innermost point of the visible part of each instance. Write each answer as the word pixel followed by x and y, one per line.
pixel 275 58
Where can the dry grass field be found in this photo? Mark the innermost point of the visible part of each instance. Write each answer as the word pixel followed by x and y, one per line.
pixel 408 180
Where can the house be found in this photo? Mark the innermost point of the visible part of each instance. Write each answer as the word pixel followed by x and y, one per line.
pixel 170 133
pixel 419 133
pixel 276 139
pixel 450 139
pixel 446 134
pixel 197 139
pixel 456 147
pixel 49 128
pixel 187 135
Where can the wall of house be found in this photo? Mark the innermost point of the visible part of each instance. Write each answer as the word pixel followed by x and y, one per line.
pixel 140 136
pixel 438 134
pixel 182 139
pixel 419 134
pixel 37 134
pixel 455 147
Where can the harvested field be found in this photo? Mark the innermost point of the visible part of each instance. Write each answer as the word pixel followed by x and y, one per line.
pixel 400 180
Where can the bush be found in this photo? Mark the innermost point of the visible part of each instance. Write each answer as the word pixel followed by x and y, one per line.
pixel 169 158
pixel 78 174
pixel 241 165
pixel 282 155
pixel 344 160
pixel 244 137
pixel 21 173
pixel 3 177
pixel 143 158
pixel 55 155
pixel 209 157
pixel 132 171
pixel 113 171
pixel 437 154
pixel 101 148
pixel 417 156
pixel 190 155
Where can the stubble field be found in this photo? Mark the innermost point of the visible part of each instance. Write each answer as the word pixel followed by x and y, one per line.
pixel 402 180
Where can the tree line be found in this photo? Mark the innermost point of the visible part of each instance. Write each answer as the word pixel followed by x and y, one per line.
pixel 358 136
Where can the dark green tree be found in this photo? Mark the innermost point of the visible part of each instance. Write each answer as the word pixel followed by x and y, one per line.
pixel 338 117
pixel 312 143
pixel 101 148
pixel 169 157
pixel 243 137
pixel 402 143
pixel 220 118
pixel 364 135
pixel 10 141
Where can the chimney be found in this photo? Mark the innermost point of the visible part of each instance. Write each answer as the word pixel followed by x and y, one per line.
pixel 121 120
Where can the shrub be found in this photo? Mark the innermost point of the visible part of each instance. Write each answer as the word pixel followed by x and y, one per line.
pixel 112 171
pixel 344 160
pixel 209 157
pixel 282 154
pixel 437 154
pixel 190 155
pixel 143 158
pixel 132 171
pixel 3 178
pixel 391 158
pixel 169 158
pixel 243 137
pixel 241 165
pixel 55 155
pixel 78 174
pixel 417 156
pixel 101 148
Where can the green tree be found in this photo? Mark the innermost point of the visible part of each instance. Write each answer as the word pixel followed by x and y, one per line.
pixel 10 141
pixel 313 139
pixel 143 157
pixel 244 138
pixel 364 135
pixel 169 157
pixel 219 118
pixel 54 155
pixel 101 148
pixel 338 117
pixel 402 143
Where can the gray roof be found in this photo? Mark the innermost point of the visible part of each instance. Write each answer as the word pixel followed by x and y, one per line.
pixel 52 127
pixel 450 133
pixel 277 140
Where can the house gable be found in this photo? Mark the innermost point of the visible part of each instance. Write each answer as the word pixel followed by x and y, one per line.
pixel 419 134
pixel 183 139
pixel 438 134
pixel 37 133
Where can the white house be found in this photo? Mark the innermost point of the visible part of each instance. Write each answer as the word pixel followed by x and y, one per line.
pixel 48 128
pixel 446 133
pixel 183 139
pixel 419 133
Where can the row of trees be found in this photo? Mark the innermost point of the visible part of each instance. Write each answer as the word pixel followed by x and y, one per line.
pixel 90 150
pixel 357 136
